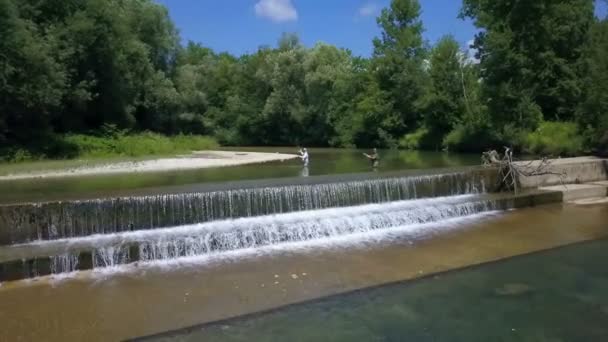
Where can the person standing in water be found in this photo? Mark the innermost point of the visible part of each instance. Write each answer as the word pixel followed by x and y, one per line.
pixel 304 156
pixel 373 158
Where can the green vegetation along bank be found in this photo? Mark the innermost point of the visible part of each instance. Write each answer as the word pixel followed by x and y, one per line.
pixel 74 68
pixel 113 146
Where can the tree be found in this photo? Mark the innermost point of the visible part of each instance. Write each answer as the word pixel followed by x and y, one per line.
pixel 32 79
pixel 593 111
pixel 398 69
pixel 77 66
pixel 443 103
pixel 530 53
pixel 324 66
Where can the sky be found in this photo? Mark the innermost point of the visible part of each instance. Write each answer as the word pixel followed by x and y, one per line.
pixel 241 26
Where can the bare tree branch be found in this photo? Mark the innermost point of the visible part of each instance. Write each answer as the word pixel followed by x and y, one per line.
pixel 510 171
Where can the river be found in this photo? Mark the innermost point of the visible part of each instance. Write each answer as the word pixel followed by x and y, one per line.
pixel 412 251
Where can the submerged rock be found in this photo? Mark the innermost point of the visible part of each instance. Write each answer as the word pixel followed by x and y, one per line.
pixel 513 289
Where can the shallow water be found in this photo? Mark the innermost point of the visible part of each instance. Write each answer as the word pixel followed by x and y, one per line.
pixel 322 162
pixel 559 295
pixel 143 299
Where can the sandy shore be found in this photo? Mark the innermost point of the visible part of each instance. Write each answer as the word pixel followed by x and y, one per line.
pixel 196 160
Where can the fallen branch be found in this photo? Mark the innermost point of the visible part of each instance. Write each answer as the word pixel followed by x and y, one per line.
pixel 510 171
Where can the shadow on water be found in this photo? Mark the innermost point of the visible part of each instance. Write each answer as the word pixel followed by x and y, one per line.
pixel 558 295
pixel 322 162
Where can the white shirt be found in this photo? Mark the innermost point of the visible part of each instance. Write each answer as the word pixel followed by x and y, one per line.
pixel 304 157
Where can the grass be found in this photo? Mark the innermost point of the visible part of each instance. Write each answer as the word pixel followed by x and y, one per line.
pixel 78 150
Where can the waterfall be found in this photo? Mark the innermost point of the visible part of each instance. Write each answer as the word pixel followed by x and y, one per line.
pixel 264 231
pixel 64 263
pixel 215 237
pixel 110 256
pixel 55 220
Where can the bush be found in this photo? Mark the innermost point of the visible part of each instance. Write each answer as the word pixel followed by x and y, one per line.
pixel 420 139
pixel 554 138
pixel 108 143
pixel 466 138
pixel 21 155
pixel 413 140
pixel 137 145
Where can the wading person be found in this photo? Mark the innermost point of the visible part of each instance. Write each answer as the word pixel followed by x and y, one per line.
pixel 304 157
pixel 373 158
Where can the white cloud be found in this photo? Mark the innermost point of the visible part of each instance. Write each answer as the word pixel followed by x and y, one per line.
pixel 276 10
pixel 368 10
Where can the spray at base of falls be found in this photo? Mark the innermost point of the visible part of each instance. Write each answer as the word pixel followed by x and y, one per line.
pixel 370 239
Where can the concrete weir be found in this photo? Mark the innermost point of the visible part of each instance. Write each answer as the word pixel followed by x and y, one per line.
pixel 568 171
pixel 25 222
pixel 575 178
pixel 144 300
pixel 38 239
pixel 221 251
pixel 57 237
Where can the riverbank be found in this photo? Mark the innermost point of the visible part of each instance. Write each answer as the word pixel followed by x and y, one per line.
pixel 106 144
pixel 195 160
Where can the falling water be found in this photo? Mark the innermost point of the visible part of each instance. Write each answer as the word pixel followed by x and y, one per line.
pixel 110 256
pixel 64 263
pixel 108 250
pixel 22 223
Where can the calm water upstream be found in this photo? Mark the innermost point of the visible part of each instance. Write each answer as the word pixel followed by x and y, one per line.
pixel 322 162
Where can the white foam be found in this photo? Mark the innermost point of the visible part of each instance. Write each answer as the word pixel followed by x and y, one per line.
pixel 227 239
pixel 223 225
pixel 370 239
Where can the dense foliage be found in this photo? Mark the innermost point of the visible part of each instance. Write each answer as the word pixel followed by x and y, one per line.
pixel 77 66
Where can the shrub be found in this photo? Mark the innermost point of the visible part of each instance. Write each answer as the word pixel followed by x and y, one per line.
pixel 422 138
pixel 21 155
pixel 137 145
pixel 413 140
pixel 467 138
pixel 554 138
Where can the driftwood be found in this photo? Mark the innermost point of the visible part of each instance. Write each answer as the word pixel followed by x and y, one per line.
pixel 510 171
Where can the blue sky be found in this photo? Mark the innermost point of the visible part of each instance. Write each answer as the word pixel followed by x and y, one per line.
pixel 241 26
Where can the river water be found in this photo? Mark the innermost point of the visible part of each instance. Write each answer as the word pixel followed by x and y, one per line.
pixel 144 299
pixel 559 295
pixel 322 162
pixel 387 255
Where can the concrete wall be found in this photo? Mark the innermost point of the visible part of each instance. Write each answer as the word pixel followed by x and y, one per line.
pixel 574 170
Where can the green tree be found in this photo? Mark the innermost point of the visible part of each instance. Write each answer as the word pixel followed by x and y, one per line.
pixel 325 66
pixel 593 111
pixel 398 69
pixel 284 111
pixel 347 118
pixel 32 79
pixel 443 103
pixel 530 54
